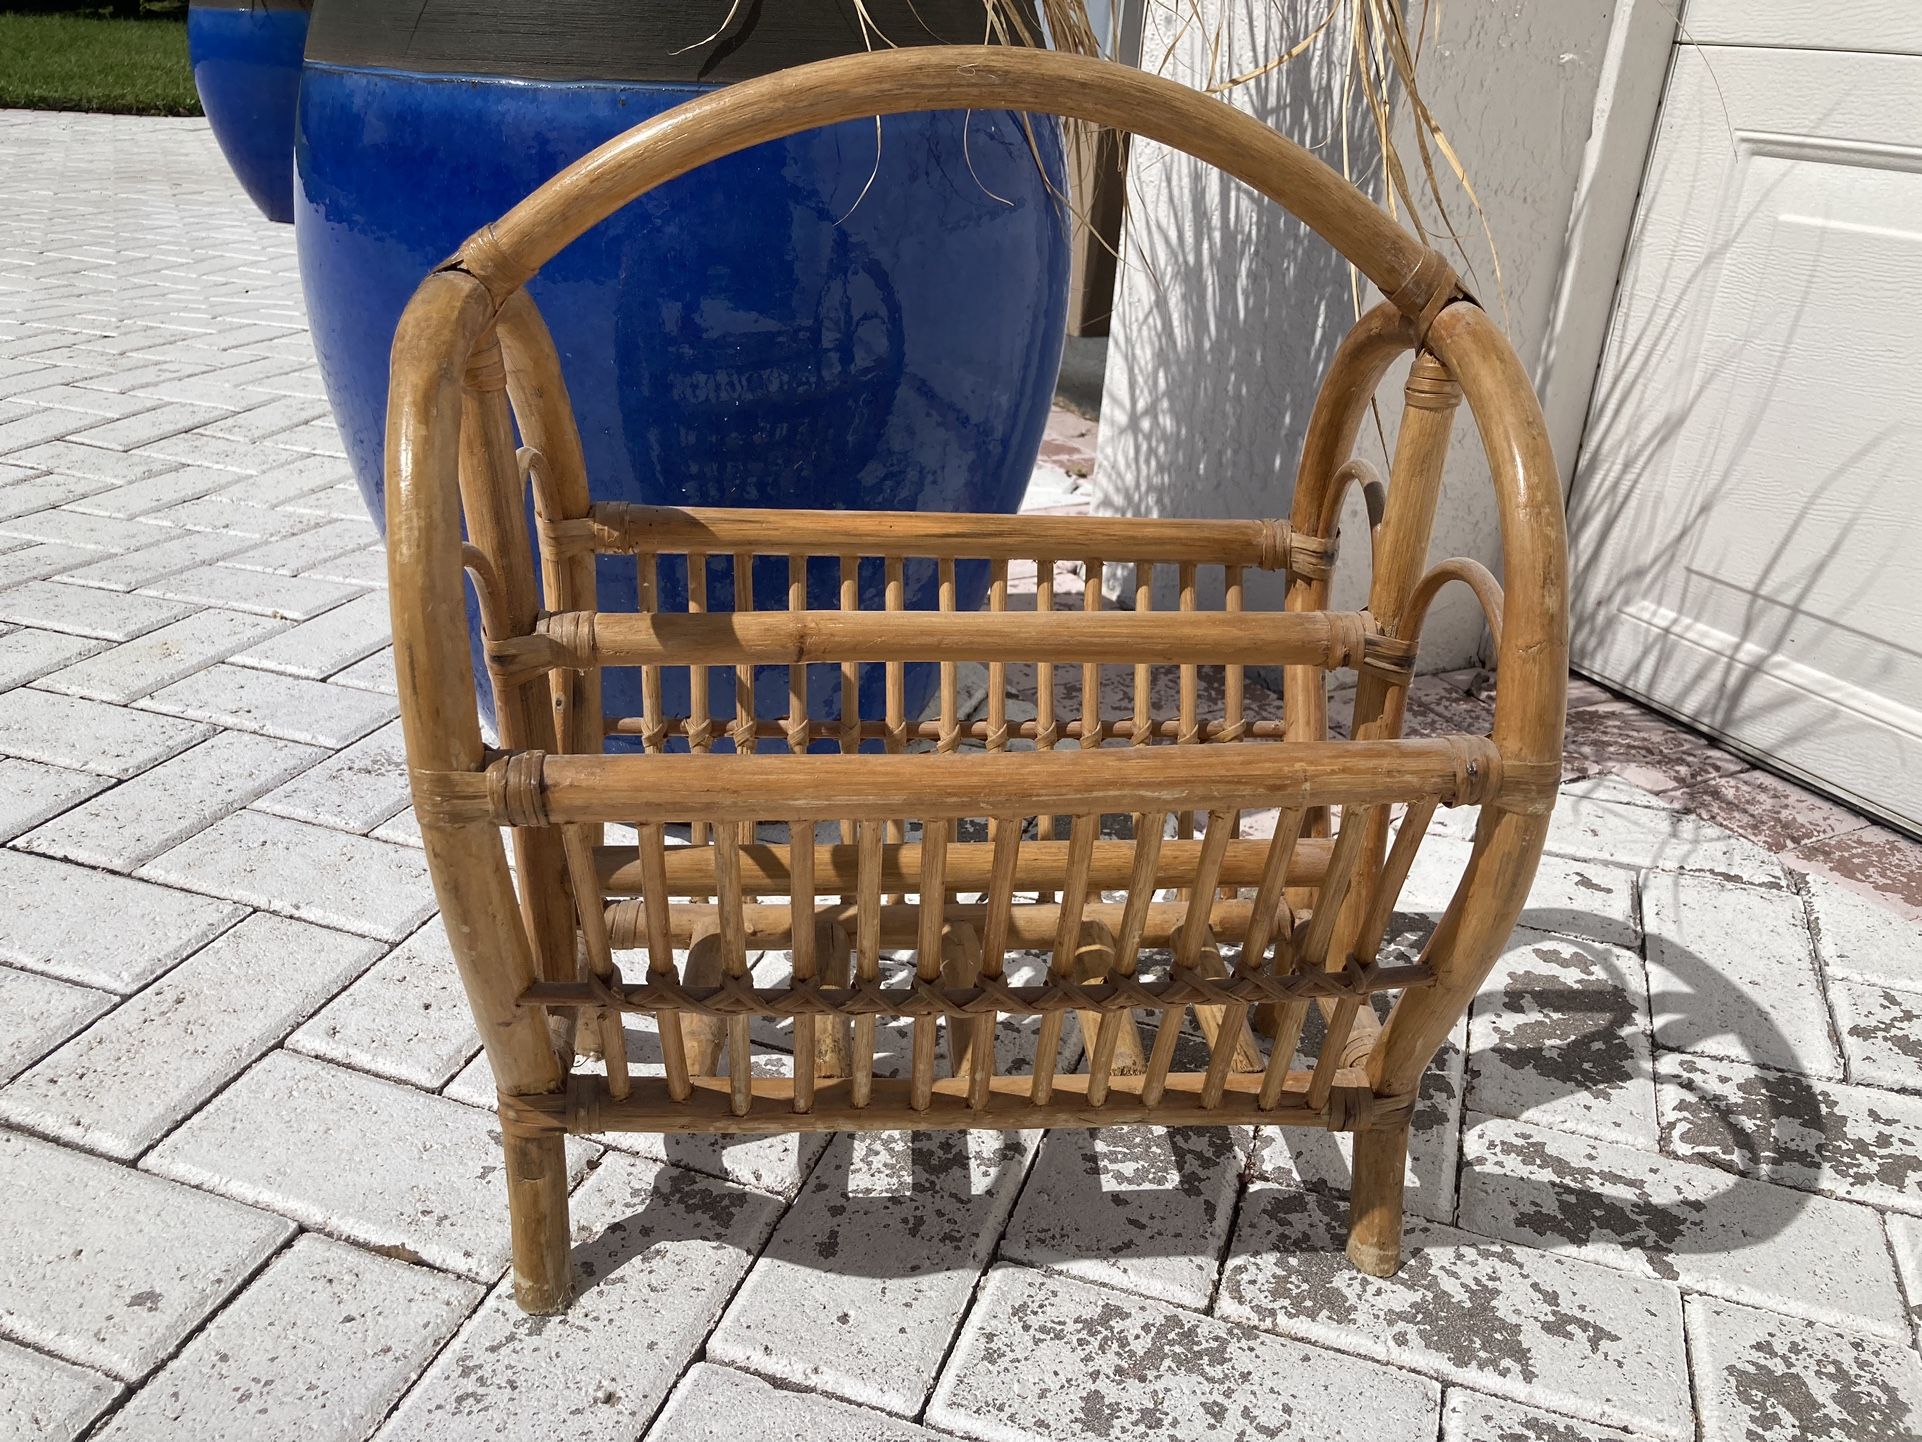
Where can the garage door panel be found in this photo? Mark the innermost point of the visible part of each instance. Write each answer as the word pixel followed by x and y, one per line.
pixel 1890 26
pixel 1747 511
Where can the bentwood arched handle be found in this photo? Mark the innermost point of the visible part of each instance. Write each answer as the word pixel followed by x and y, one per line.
pixel 504 255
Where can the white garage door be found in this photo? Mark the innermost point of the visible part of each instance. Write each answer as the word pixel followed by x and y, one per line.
pixel 1747 511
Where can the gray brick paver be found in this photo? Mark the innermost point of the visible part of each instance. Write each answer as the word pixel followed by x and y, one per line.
pixel 140 667
pixel 85 612
pixel 272 704
pixel 406 1018
pixel 28 652
pixel 313 873
pixel 1697 1225
pixel 120 1085
pixel 1761 1377
pixel 98 929
pixel 330 642
pixel 37 1013
pixel 298 598
pixel 1860 1143
pixel 859 1291
pixel 1045 1358
pixel 657 1251
pixel 85 735
pixel 1731 973
pixel 174 553
pixel 43 1399
pixel 1471 1417
pixel 30 792
pixel 1144 1209
pixel 318 1347
pixel 163 806
pixel 361 1159
pixel 719 1404
pixel 1560 1036
pixel 108 1267
pixel 1538 1328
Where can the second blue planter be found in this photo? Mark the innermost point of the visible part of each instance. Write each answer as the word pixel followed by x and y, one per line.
pixel 246 57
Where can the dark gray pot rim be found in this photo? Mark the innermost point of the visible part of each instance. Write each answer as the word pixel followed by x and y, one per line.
pixel 251 4
pixel 677 42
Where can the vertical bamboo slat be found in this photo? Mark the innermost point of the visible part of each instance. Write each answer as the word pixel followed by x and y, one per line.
pixel 1234 681
pixel 733 934
pixel 1046 730
pixel 1344 864
pixel 895 598
pixel 802 949
pixel 1006 832
pixel 1189 733
pixel 870 837
pixel 591 908
pixel 1144 674
pixel 1117 1025
pixel 647 569
pixel 1270 903
pixel 491 499
pixel 933 917
pixel 801 854
pixel 652 850
pixel 1091 736
pixel 998 670
pixel 700 725
pixel 850 671
pixel 1067 937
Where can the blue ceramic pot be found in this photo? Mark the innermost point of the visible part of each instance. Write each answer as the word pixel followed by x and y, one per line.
pixel 246 58
pixel 800 325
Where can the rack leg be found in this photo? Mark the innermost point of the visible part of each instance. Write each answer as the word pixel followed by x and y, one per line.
pixel 537 1212
pixel 1375 1201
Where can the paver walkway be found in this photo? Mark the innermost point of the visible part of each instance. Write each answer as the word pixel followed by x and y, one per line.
pixel 1669 1183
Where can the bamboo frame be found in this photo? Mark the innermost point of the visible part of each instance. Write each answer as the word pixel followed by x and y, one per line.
pixel 1174 915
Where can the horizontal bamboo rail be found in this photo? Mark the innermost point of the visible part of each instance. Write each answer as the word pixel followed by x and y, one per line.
pixel 898 926
pixel 532 788
pixel 766 868
pixel 582 640
pixel 620 526
pixel 929 997
pixel 587 1108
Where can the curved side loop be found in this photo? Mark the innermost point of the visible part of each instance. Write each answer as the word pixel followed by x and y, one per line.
pixel 487 591
pixel 437 334
pixel 1471 573
pixel 1530 704
pixel 504 255
pixel 1364 356
pixel 1374 494
pixel 545 416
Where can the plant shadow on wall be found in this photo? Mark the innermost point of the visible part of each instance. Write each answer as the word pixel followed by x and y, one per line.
pixel 1661 383
pixel 1208 390
pixel 889 1204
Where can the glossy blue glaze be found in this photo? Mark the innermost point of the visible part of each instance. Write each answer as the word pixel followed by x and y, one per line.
pixel 798 325
pixel 247 69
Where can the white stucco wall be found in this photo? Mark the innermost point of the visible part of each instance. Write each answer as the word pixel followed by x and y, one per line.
pixel 1227 311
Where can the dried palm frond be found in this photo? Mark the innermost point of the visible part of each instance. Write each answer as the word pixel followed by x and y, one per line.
pixel 1383 66
pixel 1382 78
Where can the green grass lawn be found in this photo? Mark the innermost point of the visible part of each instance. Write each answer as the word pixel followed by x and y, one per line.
pixel 83 62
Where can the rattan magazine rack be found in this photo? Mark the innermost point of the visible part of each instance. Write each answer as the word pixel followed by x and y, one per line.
pixel 900 861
